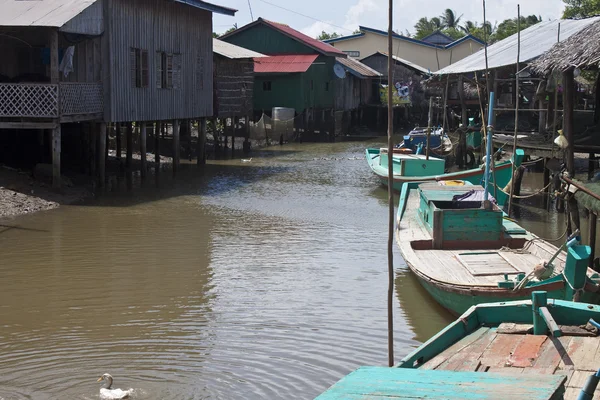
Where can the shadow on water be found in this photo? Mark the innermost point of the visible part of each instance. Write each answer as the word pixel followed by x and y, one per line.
pixel 424 315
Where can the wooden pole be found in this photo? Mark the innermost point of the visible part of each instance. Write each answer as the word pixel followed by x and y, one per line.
pixel 54 73
pixel 129 155
pixel 56 149
pixel 143 151
pixel 461 94
pixel 568 123
pixel 390 194
pixel 512 188
pixel 430 116
pixel 175 146
pixel 247 135
pixel 102 155
pixel 200 150
pixel 591 165
pixel 157 131
pixel 233 123
pixel 592 221
pixel 118 140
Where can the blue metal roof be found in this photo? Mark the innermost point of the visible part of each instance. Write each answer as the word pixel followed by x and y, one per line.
pixel 406 38
pixel 203 5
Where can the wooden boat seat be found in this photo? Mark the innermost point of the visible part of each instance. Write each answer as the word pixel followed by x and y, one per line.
pixel 508 243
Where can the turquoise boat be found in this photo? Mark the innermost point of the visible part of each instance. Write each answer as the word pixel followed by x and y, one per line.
pixel 538 348
pixel 465 251
pixel 416 168
pixel 535 338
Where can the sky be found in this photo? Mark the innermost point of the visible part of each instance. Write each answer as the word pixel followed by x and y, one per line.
pixel 344 16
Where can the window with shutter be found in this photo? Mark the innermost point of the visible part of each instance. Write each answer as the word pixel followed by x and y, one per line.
pixel 139 67
pixel 169 69
pixel 133 66
pixel 176 71
pixel 145 69
pixel 159 70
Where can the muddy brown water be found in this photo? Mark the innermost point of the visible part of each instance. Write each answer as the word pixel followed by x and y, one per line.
pixel 264 279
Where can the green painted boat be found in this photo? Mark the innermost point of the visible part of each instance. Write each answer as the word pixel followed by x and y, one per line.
pixel 416 168
pixel 539 337
pixel 465 251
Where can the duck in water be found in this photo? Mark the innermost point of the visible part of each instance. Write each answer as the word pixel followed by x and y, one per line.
pixel 107 393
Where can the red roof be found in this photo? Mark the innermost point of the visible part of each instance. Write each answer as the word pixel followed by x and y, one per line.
pixel 284 64
pixel 307 40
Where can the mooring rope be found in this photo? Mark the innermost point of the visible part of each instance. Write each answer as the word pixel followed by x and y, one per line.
pixel 525 196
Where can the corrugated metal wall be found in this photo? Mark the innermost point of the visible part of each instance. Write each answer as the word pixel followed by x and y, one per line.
pixel 158 26
pixel 234 84
pixel 87 60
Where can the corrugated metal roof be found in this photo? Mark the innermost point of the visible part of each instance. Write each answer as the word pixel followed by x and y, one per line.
pixel 315 44
pixel 284 64
pixel 409 64
pixel 52 13
pixel 535 41
pixel 232 51
pixel 56 13
pixel 357 68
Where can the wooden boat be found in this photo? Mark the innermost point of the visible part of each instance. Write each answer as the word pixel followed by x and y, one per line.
pixel 534 338
pixel 416 168
pixel 528 349
pixel 465 251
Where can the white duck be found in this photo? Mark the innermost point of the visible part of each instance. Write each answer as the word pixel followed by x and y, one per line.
pixel 112 394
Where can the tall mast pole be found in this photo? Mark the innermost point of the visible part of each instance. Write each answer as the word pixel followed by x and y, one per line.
pixel 390 195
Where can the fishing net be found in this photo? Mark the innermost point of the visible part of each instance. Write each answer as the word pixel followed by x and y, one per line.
pixel 272 130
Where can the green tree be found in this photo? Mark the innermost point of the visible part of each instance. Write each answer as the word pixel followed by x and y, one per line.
pixel 581 8
pixel 326 36
pixel 449 19
pixel 425 27
pixel 356 32
pixel 508 27
pixel 453 33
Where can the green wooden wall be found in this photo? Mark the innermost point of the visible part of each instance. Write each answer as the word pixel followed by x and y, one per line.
pixel 288 90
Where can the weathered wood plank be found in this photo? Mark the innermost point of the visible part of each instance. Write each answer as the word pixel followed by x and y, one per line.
pixel 550 355
pixel 469 359
pixel 393 383
pixel 581 354
pixel 509 328
pixel 457 348
pixel 498 352
pixel 527 351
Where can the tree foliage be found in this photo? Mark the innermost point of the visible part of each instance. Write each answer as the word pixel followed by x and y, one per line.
pixel 326 35
pixel 508 27
pixel 581 8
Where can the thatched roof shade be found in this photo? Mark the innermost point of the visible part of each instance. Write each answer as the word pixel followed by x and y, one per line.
pixel 579 51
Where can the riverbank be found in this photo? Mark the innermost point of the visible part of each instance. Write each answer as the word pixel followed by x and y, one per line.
pixel 21 193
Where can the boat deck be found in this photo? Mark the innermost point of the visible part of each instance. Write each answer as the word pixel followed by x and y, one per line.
pixel 508 349
pixel 461 267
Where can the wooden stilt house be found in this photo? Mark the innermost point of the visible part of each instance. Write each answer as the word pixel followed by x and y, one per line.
pixel 105 61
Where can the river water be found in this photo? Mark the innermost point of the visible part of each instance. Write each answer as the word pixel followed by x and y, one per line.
pixel 260 279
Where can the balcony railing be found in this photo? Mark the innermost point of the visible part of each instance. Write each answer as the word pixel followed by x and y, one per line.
pixel 42 100
pixel 34 100
pixel 80 98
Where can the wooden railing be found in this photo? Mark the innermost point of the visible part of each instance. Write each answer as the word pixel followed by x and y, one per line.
pixel 81 98
pixel 34 100
pixel 44 100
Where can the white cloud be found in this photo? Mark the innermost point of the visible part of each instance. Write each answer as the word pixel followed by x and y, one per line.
pixel 317 27
pixel 355 13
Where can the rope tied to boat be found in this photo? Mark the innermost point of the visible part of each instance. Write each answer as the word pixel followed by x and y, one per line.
pixel 525 196
pixel 578 292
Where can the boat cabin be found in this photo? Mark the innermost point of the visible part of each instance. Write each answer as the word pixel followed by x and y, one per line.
pixel 412 164
pixel 458 214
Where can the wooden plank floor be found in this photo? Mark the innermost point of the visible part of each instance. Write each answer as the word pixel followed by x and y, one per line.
pixel 488 351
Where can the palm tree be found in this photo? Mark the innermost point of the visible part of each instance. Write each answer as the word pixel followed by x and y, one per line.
pixel 449 19
pixel 468 27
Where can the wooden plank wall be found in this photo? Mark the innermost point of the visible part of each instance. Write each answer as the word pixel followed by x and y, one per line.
pixel 234 87
pixel 158 25
pixel 87 60
pixel 347 93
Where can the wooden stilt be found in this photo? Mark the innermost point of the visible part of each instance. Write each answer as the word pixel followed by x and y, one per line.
pixel 188 128
pixel 463 104
pixel 129 155
pixel 568 122
pixel 592 220
pixel 102 148
pixel 118 140
pixel 94 138
pixel 56 148
pixel 143 151
pixel 176 146
pixel 591 165
pixel 157 131
pixel 200 145
pixel 546 182
pixel 247 135
pixel 574 212
pixel 233 125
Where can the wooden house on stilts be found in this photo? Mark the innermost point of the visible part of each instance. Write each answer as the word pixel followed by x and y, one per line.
pixel 99 62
